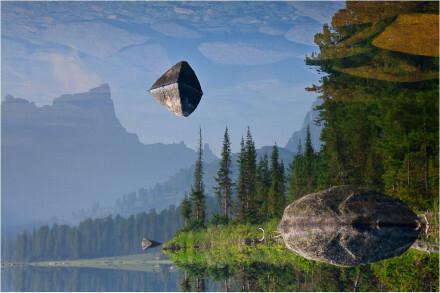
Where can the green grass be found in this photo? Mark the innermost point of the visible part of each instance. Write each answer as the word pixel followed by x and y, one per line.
pixel 234 234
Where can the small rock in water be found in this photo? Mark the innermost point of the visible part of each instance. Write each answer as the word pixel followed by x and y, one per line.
pixel 147 243
pixel 178 90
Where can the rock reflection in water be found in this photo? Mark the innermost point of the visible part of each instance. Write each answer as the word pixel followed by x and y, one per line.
pixel 348 245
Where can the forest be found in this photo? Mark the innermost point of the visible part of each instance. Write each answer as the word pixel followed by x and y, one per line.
pixel 380 116
pixel 110 236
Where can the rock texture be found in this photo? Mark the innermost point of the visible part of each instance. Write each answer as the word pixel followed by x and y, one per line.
pixel 349 245
pixel 178 90
pixel 344 205
pixel 348 226
pixel 147 243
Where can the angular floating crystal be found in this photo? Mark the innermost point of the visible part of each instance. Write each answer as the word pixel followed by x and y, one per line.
pixel 178 90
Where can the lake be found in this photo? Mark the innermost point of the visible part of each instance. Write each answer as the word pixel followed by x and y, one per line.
pixel 252 269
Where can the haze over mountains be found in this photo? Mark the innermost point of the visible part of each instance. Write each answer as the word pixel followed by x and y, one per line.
pixel 60 158
pixel 74 154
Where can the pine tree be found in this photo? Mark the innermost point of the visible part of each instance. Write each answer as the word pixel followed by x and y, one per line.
pixel 263 182
pixel 198 196
pixel 277 189
pixel 241 183
pixel 309 159
pixel 185 209
pixel 223 179
pixel 251 171
pixel 295 176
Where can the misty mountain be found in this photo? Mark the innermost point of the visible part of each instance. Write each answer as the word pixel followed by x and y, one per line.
pixel 64 157
pixel 315 131
pixel 173 190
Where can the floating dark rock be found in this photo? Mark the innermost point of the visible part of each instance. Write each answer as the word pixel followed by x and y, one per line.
pixel 178 89
pixel 147 243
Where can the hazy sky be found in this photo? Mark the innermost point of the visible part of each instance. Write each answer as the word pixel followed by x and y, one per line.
pixel 248 56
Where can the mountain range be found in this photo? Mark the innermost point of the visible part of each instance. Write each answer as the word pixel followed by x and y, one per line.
pixel 74 157
pixel 61 158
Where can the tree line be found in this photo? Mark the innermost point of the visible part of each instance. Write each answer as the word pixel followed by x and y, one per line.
pixel 100 237
pixel 258 194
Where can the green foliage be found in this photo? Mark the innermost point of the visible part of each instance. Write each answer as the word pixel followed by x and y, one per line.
pixel 110 236
pixel 246 183
pixel 277 197
pixel 198 195
pixel 224 189
pixel 186 209
pixel 219 220
pixel 263 183
pixel 380 116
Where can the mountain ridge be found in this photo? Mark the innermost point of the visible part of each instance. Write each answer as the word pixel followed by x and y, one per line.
pixel 60 158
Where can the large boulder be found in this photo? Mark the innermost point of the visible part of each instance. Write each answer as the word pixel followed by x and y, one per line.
pixel 348 226
pixel 345 205
pixel 349 245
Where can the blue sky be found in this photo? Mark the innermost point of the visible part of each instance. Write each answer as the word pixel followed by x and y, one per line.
pixel 248 56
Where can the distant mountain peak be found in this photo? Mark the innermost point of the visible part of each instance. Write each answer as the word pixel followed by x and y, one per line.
pixel 315 130
pixel 103 88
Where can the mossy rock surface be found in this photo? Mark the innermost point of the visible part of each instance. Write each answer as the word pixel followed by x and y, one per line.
pixel 349 245
pixel 348 226
pixel 344 205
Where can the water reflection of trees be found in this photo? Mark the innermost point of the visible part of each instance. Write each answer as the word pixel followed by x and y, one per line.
pixel 88 279
pixel 413 271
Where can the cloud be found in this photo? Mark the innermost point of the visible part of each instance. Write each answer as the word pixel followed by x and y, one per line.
pixel 93 38
pixel 271 29
pixel 261 85
pixel 321 11
pixel 241 54
pixel 175 30
pixel 70 73
pixel 183 10
pixel 303 33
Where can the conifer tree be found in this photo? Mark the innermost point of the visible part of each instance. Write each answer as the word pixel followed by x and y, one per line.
pixel 309 159
pixel 251 170
pixel 223 179
pixel 185 209
pixel 277 189
pixel 198 196
pixel 297 175
pixel 246 184
pixel 241 183
pixel 263 182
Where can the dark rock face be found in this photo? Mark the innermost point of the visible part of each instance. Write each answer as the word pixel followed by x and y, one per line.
pixel 147 243
pixel 178 90
pixel 348 226
pixel 346 205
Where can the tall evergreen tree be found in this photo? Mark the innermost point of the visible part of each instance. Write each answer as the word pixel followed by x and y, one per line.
pixel 277 190
pixel 246 184
pixel 263 182
pixel 223 179
pixel 309 159
pixel 296 175
pixel 251 171
pixel 185 209
pixel 241 183
pixel 198 196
